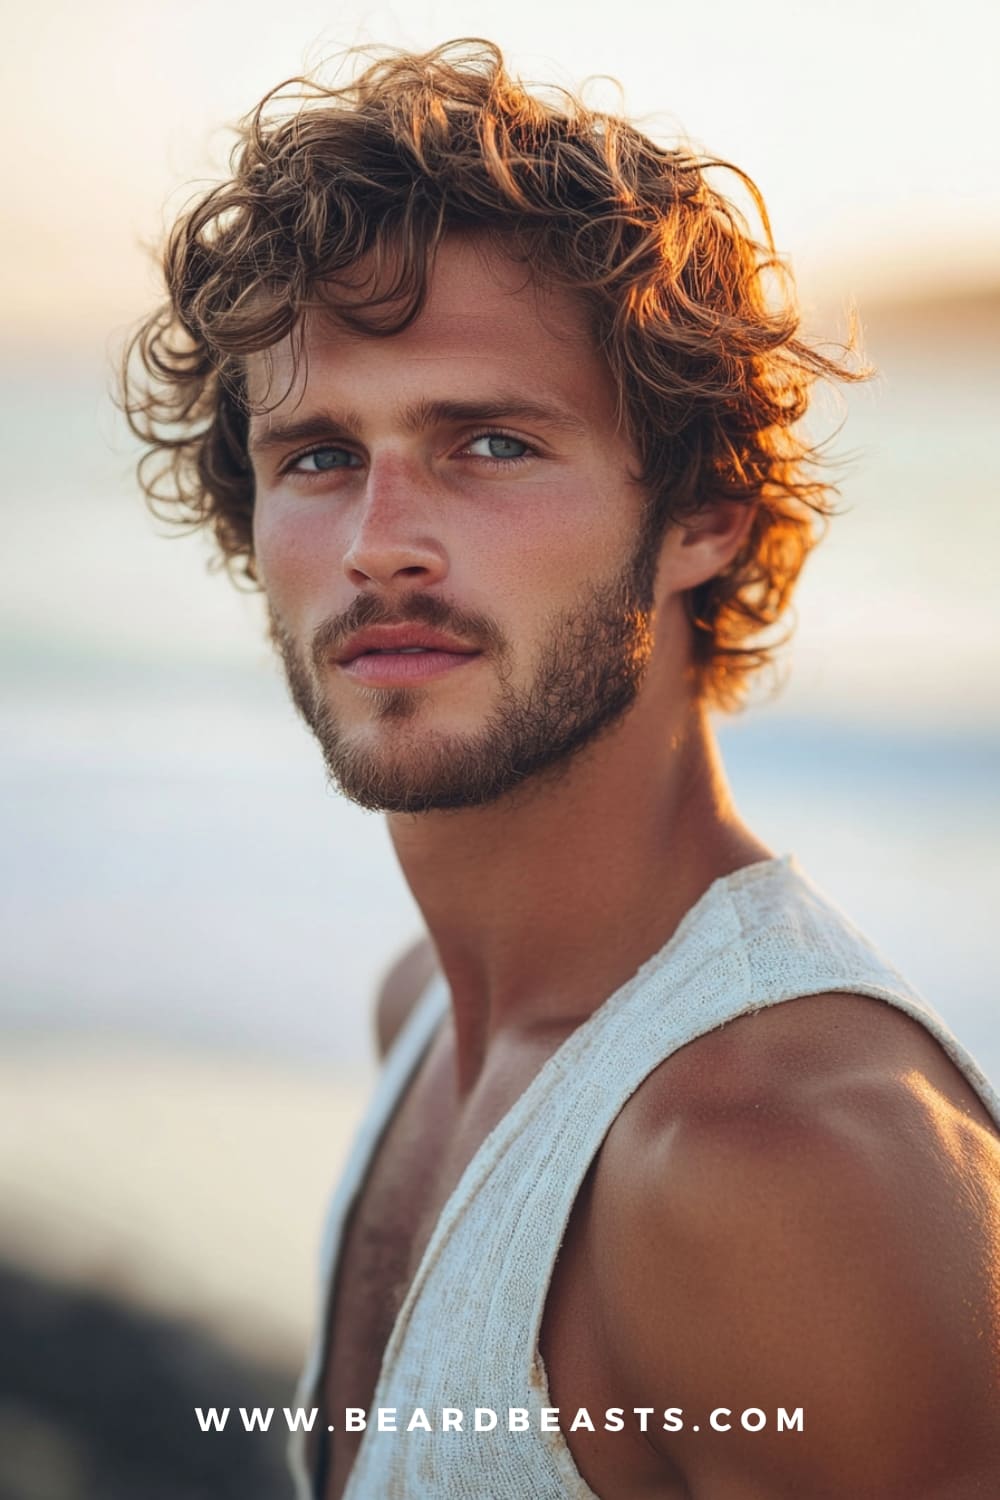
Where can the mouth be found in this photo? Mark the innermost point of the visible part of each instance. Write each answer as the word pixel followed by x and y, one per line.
pixel 415 648
pixel 391 655
pixel 399 651
pixel 398 666
pixel 396 640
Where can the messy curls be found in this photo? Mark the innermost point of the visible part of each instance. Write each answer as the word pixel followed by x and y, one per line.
pixel 695 317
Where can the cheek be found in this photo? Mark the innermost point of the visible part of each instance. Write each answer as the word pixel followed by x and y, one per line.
pixel 574 536
pixel 298 553
pixel 530 568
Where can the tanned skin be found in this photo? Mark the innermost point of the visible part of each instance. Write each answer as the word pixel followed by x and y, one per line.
pixel 800 1209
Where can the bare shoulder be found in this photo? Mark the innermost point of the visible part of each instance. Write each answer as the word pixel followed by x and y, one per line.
pixel 399 991
pixel 795 1053
pixel 802 1210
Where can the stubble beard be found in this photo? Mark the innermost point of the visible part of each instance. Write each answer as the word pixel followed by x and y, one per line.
pixel 591 667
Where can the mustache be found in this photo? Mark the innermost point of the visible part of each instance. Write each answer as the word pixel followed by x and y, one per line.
pixel 366 610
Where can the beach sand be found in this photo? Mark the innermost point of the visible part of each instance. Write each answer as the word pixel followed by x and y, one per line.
pixel 190 1185
pixel 161 1216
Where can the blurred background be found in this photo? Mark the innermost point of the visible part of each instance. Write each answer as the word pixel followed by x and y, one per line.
pixel 191 924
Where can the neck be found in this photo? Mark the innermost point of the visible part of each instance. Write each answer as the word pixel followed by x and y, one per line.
pixel 542 904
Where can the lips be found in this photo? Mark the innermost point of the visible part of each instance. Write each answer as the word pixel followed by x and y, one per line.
pixel 398 656
pixel 401 640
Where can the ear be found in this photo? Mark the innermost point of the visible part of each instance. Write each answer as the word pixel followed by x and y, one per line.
pixel 703 545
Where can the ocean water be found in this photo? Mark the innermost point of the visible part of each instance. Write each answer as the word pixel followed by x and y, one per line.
pixel 175 869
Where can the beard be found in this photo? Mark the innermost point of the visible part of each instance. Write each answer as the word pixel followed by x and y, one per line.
pixel 587 678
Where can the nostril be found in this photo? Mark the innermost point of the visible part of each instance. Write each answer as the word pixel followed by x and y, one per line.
pixel 387 561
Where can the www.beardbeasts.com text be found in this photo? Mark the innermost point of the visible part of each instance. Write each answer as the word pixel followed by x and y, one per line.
pixel 485 1419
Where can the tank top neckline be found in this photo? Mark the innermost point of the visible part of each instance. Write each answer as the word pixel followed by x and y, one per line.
pixel 430 1012
pixel 423 1022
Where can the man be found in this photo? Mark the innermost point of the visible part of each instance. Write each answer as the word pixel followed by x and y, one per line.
pixel 487 394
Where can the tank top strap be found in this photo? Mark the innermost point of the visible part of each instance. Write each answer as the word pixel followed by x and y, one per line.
pixel 763 936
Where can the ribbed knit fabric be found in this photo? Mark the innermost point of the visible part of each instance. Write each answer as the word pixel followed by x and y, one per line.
pixel 467 1333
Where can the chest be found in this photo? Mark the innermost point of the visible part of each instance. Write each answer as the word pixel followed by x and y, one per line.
pixel 381 1242
pixel 430 1140
pixel 417 1165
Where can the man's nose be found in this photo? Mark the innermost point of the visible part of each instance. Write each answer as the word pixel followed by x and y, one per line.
pixel 395 540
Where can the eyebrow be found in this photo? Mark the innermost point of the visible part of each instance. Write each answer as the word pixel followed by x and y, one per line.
pixel 415 417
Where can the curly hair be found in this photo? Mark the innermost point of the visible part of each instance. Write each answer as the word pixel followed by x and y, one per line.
pixel 695 318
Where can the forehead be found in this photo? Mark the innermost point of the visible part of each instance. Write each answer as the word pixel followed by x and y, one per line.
pixel 485 319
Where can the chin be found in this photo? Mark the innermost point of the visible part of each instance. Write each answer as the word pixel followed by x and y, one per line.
pixel 398 790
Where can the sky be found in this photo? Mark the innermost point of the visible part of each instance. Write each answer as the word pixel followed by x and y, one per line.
pixel 870 127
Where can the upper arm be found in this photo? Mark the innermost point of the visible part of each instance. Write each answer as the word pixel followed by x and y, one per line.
pixel 843 1259
pixel 400 989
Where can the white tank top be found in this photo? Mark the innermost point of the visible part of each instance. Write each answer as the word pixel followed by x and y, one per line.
pixel 467 1333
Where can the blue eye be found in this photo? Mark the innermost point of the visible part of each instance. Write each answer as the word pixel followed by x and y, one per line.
pixel 499 446
pixel 323 459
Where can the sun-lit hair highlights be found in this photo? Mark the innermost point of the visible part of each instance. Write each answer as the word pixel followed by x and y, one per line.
pixel 695 316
